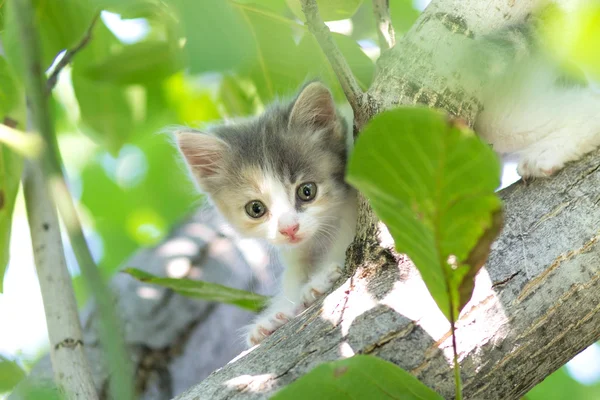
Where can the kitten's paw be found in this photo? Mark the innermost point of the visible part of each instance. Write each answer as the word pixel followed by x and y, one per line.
pixel 320 284
pixel 539 165
pixel 266 325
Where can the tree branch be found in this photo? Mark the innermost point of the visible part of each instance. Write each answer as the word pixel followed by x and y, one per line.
pixel 69 55
pixel 352 90
pixel 72 372
pixel 36 89
pixel 385 29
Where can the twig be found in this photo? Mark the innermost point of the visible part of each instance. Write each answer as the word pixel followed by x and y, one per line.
pixel 68 56
pixel 351 88
pixel 28 145
pixel 385 30
pixel 35 85
pixel 72 371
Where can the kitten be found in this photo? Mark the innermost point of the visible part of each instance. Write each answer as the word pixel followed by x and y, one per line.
pixel 529 110
pixel 280 177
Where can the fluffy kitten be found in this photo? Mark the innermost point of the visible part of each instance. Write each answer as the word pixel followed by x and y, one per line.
pixel 280 177
pixel 529 109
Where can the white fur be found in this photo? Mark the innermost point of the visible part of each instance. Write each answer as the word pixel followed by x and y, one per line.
pixel 311 266
pixel 544 124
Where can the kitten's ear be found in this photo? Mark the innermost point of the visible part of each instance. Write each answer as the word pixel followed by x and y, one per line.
pixel 315 108
pixel 203 152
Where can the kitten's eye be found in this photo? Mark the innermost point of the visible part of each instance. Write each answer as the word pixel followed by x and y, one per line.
pixel 255 209
pixel 307 191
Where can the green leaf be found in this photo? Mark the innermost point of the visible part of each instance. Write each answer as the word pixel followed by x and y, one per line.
pixel 11 95
pixel 236 100
pixel 10 375
pixel 204 290
pixel 318 64
pixel 330 10
pixel 11 164
pixel 61 23
pixel 138 63
pixel 432 183
pixel 217 37
pixel 358 377
pixel 277 67
pixel 105 107
pixel 573 37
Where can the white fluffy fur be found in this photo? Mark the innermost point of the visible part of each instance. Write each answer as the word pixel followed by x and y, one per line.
pixel 546 125
pixel 311 266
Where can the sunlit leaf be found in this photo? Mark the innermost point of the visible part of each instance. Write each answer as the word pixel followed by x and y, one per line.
pixel 61 23
pixel 10 374
pixel 10 92
pixel 204 290
pixel 432 183
pixel 277 6
pixel 217 37
pixel 11 101
pixel 138 63
pixel 37 389
pixel 574 37
pixel 235 99
pixel 104 106
pixel 277 68
pixel 191 103
pixel 355 378
pixel 330 10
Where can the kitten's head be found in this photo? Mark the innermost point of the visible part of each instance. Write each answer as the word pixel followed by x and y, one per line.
pixel 279 176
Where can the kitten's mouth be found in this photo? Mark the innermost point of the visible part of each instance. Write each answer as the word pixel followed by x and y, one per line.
pixel 294 239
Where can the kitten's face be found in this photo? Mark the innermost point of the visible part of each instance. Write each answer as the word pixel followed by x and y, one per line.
pixel 278 177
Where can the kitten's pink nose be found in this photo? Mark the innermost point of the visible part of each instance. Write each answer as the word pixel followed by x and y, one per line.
pixel 289 230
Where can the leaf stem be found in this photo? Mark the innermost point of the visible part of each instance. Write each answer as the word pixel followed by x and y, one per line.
pixel 36 88
pixel 385 30
pixel 456 365
pixel 352 90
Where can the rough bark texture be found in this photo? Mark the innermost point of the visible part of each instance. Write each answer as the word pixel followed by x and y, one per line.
pixel 536 303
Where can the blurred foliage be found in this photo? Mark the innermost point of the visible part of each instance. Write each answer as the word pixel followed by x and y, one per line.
pixel 11 105
pixel 358 377
pixel 574 37
pixel 204 290
pixel 437 199
pixel 330 10
pixel 560 385
pixel 10 374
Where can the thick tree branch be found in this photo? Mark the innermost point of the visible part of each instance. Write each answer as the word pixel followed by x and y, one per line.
pixel 349 84
pixel 385 29
pixel 536 305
